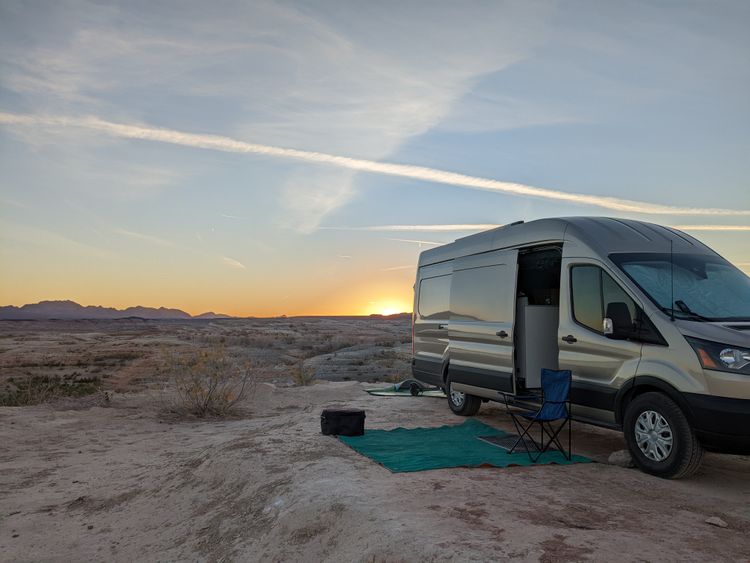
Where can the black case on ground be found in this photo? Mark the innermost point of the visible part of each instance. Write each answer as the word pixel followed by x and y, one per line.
pixel 342 422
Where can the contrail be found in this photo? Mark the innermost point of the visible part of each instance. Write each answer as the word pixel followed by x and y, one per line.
pixel 419 242
pixel 227 144
pixel 427 228
pixel 485 227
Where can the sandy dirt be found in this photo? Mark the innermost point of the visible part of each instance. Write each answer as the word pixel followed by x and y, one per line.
pixel 83 481
pixel 120 483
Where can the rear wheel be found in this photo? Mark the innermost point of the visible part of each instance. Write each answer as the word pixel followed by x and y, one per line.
pixel 660 438
pixel 461 403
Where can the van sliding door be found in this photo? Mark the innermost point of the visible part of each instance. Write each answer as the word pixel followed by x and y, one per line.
pixel 482 310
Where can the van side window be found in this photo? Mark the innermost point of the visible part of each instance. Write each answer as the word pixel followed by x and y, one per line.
pixel 592 291
pixel 434 297
pixel 475 294
pixel 587 296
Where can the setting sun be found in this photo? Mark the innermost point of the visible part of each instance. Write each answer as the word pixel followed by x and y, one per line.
pixel 386 308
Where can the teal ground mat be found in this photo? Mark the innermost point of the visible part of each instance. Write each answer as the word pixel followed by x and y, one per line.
pixel 419 449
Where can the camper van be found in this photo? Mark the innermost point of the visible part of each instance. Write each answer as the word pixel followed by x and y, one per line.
pixel 653 325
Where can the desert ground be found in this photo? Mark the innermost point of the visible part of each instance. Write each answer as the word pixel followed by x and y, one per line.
pixel 115 475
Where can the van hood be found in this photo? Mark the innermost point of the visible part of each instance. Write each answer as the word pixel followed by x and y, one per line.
pixel 731 333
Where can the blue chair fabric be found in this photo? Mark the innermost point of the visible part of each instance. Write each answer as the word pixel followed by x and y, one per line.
pixel 555 407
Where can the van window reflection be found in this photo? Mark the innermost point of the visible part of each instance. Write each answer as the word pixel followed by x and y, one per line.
pixel 706 287
pixel 593 290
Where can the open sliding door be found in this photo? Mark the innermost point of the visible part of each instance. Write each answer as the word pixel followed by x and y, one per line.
pixel 482 310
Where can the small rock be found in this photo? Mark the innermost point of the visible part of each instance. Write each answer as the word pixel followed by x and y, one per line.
pixel 716 521
pixel 621 458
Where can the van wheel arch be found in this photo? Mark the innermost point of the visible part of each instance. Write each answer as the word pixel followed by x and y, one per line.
pixel 660 438
pixel 445 376
pixel 646 384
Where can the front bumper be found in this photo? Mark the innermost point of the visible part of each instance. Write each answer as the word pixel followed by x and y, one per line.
pixel 722 424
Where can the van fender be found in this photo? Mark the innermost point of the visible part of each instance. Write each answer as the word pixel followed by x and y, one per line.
pixel 446 367
pixel 643 384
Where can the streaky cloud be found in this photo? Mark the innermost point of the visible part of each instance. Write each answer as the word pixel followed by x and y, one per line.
pixel 419 242
pixel 426 228
pixel 145 238
pixel 227 144
pixel 396 268
pixel 232 263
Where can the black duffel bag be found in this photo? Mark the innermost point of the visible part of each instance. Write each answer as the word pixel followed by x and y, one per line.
pixel 342 422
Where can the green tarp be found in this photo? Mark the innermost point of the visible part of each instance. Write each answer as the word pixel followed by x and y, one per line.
pixel 419 449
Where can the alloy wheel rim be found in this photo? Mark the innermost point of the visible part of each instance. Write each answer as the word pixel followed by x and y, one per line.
pixel 654 435
pixel 457 398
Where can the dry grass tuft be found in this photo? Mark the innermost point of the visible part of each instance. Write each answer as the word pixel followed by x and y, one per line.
pixel 208 382
pixel 32 390
pixel 303 375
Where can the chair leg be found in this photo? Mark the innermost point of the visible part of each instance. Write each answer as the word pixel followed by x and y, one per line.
pixel 518 428
pixel 522 432
pixel 553 434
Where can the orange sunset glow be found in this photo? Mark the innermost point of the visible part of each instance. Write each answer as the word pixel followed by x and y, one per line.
pixel 285 174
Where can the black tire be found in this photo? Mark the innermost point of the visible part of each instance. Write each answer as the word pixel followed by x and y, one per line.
pixel 467 407
pixel 643 413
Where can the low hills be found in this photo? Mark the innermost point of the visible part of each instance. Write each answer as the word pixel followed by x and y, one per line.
pixel 70 310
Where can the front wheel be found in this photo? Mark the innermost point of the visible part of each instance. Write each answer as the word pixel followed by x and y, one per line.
pixel 461 403
pixel 660 438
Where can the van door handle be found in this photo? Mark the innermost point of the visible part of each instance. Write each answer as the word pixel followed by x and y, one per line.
pixel 502 334
pixel 570 339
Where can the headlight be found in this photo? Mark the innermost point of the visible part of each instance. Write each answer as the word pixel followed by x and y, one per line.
pixel 714 355
pixel 734 358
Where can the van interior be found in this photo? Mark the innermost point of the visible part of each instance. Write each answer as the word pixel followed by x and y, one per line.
pixel 537 314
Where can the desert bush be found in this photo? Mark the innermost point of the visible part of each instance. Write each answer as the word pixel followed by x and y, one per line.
pixel 208 382
pixel 303 375
pixel 35 389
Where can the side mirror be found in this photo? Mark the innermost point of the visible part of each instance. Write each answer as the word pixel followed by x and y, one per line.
pixel 617 324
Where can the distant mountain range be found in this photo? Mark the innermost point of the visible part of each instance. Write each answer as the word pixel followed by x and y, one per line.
pixel 69 310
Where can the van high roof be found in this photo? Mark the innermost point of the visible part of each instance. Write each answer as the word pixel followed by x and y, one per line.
pixel 605 235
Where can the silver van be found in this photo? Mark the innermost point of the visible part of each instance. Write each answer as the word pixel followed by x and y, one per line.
pixel 653 324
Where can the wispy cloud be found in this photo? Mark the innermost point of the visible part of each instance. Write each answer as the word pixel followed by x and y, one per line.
pixel 419 242
pixel 228 144
pixel 43 237
pixel 232 263
pixel 11 203
pixel 394 268
pixel 417 228
pixel 146 238
pixel 229 216
pixel 484 227
pixel 158 241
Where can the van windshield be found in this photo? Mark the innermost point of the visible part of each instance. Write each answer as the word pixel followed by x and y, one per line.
pixel 706 287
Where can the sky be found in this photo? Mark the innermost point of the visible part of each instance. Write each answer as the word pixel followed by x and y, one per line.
pixel 268 158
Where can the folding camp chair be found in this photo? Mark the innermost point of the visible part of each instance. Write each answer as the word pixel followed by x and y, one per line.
pixel 555 407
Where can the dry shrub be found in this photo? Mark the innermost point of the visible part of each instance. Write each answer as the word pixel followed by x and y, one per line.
pixel 32 390
pixel 208 382
pixel 303 375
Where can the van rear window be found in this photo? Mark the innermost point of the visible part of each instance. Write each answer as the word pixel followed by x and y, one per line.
pixel 434 297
